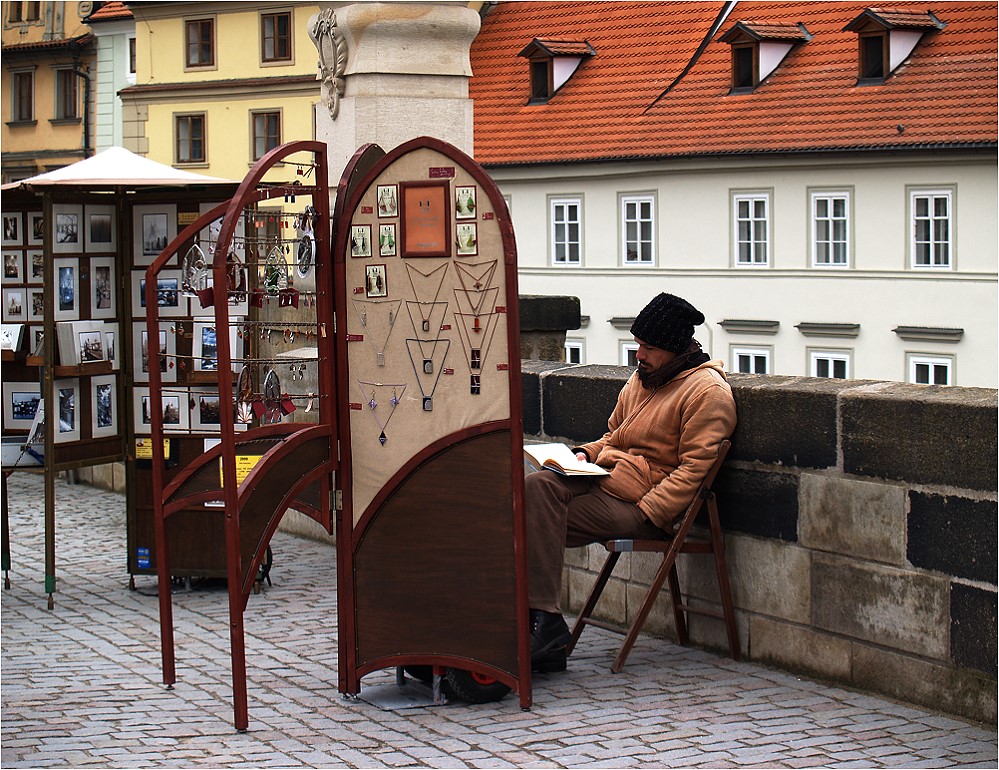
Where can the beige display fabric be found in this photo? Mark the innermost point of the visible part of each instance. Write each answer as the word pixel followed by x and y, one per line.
pixel 411 429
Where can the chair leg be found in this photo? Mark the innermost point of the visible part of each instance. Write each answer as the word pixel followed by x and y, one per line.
pixel 679 616
pixel 662 574
pixel 591 601
pixel 725 589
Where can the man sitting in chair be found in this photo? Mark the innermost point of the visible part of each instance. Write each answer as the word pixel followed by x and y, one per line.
pixel 662 439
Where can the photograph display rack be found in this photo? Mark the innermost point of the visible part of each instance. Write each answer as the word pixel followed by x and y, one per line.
pixel 265 315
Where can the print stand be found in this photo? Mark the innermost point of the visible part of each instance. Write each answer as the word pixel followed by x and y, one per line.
pixel 431 564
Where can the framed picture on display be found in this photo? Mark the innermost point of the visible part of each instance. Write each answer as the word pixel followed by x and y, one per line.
pixel 110 344
pixel 11 336
pixel 36 303
pixel 13 267
pixel 67 401
pixel 34 228
pixel 174 404
pixel 14 305
pixel 34 266
pixel 467 239
pixel 100 230
pixel 386 240
pixel 104 405
pixel 169 299
pixel 67 288
pixel 102 293
pixel 20 400
pixel 164 350
pixel 67 228
pixel 360 241
pixel 387 196
pixel 80 342
pixel 153 227
pixel 13 229
pixel 464 202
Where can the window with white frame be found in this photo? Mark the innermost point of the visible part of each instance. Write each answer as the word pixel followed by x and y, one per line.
pixel 575 351
pixel 566 230
pixel 130 64
pixel 931 370
pixel 751 360
pixel 629 354
pixel 752 228
pixel 834 364
pixel 199 43
pixel 638 229
pixel 266 130
pixel 931 228
pixel 189 138
pixel 830 229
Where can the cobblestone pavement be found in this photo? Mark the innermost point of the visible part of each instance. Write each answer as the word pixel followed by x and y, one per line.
pixel 81 684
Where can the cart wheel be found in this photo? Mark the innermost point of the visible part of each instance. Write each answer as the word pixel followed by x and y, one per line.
pixel 474 688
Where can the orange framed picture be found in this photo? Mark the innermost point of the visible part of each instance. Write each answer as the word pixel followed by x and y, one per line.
pixel 425 219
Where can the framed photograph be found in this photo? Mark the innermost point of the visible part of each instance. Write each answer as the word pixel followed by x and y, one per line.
pixel 11 336
pixel 205 410
pixel 67 288
pixel 375 281
pixel 35 266
pixel 102 293
pixel 360 240
pixel 388 200
pixel 36 340
pixel 209 235
pixel 13 229
pixel 153 227
pixel 425 216
pixel 175 412
pixel 237 285
pixel 67 228
pixel 100 230
pixel 104 405
pixel 466 239
pixel 14 307
pixel 386 240
pixel 464 202
pixel 170 301
pixel 110 344
pixel 13 267
pixel 36 303
pixel 20 400
pixel 67 400
pixel 34 228
pixel 165 352
pixel 80 342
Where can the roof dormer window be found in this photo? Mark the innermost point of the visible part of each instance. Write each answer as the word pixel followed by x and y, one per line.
pixel 758 49
pixel 886 38
pixel 552 63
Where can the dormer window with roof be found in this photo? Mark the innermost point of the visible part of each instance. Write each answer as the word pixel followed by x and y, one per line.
pixel 552 63
pixel 758 48
pixel 886 37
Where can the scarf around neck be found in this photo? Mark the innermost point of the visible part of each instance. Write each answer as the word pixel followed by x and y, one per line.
pixel 692 358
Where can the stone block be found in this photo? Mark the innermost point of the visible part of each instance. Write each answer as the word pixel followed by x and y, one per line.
pixel 576 402
pixel 799 648
pixel 973 628
pixel 770 578
pixel 772 408
pixel 542 346
pixel 852 517
pixel 660 620
pixel 940 687
pixel 953 535
pixel 955 443
pixel 903 609
pixel 530 392
pixel 758 502
pixel 548 313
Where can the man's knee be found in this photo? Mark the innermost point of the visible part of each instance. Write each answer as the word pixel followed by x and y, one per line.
pixel 545 485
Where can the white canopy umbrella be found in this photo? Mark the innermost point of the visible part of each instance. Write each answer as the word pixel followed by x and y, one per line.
pixel 115 167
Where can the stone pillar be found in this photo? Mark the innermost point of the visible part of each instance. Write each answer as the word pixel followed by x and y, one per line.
pixel 392 72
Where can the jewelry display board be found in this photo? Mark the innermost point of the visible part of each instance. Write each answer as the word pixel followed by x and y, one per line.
pixel 430 539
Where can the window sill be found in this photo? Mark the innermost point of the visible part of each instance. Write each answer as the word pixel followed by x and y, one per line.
pixel 21 123
pixel 65 121
pixel 191 164
pixel 277 62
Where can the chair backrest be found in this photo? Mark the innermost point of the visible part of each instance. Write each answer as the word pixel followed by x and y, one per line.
pixel 684 522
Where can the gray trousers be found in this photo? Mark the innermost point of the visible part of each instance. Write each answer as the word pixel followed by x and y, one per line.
pixel 570 512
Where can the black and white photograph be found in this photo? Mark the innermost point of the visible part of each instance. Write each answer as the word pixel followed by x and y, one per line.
pixel 67 288
pixel 36 304
pixel 90 346
pixel 161 348
pixel 104 406
pixel 35 228
pixel 153 226
pixel 154 234
pixel 13 267
pixel 102 298
pixel 306 255
pixel 109 346
pixel 21 399
pixel 67 398
pixel 35 266
pixel 13 306
pixel 12 230
pixel 100 235
pixel 67 228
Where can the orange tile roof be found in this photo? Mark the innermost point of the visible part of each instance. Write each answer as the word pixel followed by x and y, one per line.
pixel 627 102
pixel 109 11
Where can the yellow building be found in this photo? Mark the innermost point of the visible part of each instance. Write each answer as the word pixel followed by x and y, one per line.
pixel 48 58
pixel 218 84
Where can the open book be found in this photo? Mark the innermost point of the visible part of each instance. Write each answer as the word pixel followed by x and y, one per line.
pixel 561 459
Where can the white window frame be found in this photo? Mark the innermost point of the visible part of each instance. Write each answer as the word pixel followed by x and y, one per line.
pixel 932 361
pixel 254 136
pixel 638 221
pixel 129 72
pixel 625 347
pixel 272 62
pixel 932 194
pixel 754 260
pixel 830 196
pixel 755 352
pixel 831 357
pixel 577 344
pixel 553 205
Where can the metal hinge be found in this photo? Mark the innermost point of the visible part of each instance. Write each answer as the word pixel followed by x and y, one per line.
pixel 336 499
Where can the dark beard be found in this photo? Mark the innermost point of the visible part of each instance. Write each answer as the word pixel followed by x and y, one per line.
pixel 693 357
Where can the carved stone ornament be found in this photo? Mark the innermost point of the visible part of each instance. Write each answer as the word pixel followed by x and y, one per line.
pixel 332 46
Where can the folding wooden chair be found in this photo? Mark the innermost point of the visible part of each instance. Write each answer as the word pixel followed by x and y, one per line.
pixel 670 548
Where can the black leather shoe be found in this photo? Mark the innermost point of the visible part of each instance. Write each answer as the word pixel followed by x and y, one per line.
pixel 548 633
pixel 550 662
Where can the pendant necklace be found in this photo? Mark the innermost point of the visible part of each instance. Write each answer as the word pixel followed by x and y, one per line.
pixel 477 281
pixel 424 365
pixel 378 307
pixel 421 303
pixel 369 392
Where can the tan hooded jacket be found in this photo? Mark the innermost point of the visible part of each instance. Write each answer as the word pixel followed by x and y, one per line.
pixel 660 444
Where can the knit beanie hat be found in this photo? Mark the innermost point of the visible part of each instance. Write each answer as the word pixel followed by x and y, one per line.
pixel 667 322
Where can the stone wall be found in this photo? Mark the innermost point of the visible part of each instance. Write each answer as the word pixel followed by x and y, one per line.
pixel 860 522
